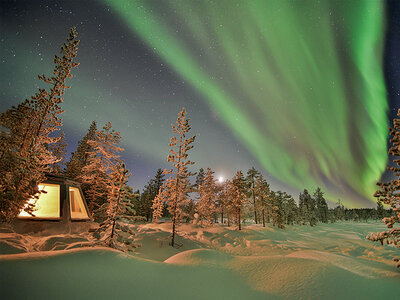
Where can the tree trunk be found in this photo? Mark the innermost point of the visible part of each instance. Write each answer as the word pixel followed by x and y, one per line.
pixel 254 204
pixel 222 217
pixel 239 221
pixel 263 217
pixel 116 209
pixel 268 216
pixel 176 192
pixel 173 231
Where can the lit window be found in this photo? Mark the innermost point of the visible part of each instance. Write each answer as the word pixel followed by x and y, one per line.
pixel 78 209
pixel 48 204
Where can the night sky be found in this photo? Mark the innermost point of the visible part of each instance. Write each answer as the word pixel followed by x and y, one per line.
pixel 301 90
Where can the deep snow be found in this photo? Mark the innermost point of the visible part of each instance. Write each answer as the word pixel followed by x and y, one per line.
pixel 329 261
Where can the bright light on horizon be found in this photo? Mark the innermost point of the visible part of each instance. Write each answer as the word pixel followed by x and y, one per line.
pixel 221 179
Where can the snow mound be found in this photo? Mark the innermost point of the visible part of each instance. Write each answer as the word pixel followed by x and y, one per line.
pixel 106 274
pixel 350 264
pixel 199 257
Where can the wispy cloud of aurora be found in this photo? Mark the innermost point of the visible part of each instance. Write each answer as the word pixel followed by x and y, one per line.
pixel 299 83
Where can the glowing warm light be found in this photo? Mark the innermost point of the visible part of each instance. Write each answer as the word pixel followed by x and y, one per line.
pixel 221 179
pixel 48 204
pixel 77 207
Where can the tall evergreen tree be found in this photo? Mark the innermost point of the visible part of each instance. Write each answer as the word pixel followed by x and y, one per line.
pixel 102 160
pixel 250 180
pixel 222 199
pixel 58 150
pixel 277 214
pixel 262 192
pixel 322 206
pixel 307 209
pixel 380 211
pixel 150 191
pixel 27 132
pixel 177 186
pixel 389 193
pixel 289 207
pixel 80 157
pixel 200 178
pixel 339 211
pixel 119 210
pixel 237 196
pixel 205 207
pixel 158 205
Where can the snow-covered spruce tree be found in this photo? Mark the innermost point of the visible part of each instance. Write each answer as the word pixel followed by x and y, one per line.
pixel 339 211
pixel 80 157
pixel 199 178
pixel 199 181
pixel 205 207
pixel 222 199
pixel 322 206
pixel 177 185
pixel 277 216
pixel 150 191
pixel 158 205
pixel 58 150
pixel 307 209
pixel 380 211
pixel 289 208
pixel 237 196
pixel 262 192
pixel 102 160
pixel 250 182
pixel 389 193
pixel 226 199
pixel 114 230
pixel 26 133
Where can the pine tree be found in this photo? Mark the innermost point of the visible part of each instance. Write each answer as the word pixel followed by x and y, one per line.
pixel 158 205
pixel 58 150
pixel 177 186
pixel 200 178
pixel 250 180
pixel 237 196
pixel 221 203
pixel 80 157
pixel 262 192
pixel 27 132
pixel 150 191
pixel 307 209
pixel 205 207
pixel 119 210
pixel 101 161
pixel 277 216
pixel 389 193
pixel 380 211
pixel 289 209
pixel 339 211
pixel 322 206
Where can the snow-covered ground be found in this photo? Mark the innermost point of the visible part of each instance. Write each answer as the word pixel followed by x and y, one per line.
pixel 329 261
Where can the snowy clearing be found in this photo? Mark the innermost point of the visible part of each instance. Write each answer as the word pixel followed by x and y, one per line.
pixel 329 261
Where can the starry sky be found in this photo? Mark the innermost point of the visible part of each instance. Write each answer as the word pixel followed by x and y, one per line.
pixel 301 90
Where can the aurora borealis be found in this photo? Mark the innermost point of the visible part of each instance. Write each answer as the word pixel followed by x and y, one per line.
pixel 295 88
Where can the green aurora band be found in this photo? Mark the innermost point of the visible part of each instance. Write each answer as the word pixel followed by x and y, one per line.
pixel 299 83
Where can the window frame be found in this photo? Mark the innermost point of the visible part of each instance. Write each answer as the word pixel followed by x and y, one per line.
pixel 67 186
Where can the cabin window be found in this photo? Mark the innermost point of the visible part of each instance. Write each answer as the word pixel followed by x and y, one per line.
pixel 77 206
pixel 48 204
